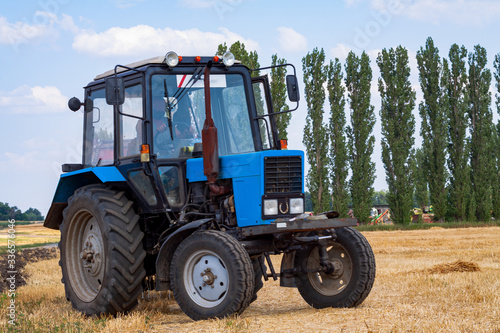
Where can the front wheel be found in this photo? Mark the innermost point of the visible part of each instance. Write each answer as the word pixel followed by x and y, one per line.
pixel 350 282
pixel 211 275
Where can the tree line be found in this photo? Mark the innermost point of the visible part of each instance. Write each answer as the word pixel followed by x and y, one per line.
pixel 9 213
pixel 457 169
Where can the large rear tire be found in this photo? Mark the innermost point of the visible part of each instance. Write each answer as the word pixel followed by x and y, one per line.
pixel 211 275
pixel 352 280
pixel 101 251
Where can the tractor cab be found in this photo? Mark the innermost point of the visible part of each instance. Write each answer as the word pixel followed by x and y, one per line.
pixel 154 112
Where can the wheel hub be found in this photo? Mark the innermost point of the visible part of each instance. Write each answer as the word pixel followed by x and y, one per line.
pixel 338 268
pixel 91 254
pixel 210 278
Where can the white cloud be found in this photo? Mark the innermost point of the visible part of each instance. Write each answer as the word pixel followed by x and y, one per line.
pixel 340 51
pixel 144 40
pixel 42 27
pixel 290 40
pixel 33 100
pixel 22 32
pixel 461 12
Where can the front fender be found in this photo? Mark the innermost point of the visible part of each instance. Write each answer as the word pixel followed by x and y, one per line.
pixel 167 252
pixel 71 181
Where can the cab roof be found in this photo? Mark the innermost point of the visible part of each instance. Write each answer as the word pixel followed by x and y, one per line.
pixel 159 60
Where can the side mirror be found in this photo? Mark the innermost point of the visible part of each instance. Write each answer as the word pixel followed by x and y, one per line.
pixel 74 104
pixel 292 88
pixel 115 91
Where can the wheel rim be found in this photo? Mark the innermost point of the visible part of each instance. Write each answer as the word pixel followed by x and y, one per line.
pixel 206 278
pixel 335 283
pixel 85 259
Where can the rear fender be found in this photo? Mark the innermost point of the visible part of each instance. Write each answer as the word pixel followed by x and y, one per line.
pixel 71 181
pixel 167 252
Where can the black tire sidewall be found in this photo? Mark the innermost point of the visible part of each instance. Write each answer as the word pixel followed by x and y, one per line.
pixel 109 300
pixel 88 203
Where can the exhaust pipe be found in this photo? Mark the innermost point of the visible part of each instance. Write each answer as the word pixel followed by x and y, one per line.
pixel 210 142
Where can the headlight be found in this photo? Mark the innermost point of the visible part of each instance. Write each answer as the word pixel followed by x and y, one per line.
pixel 271 207
pixel 171 59
pixel 228 59
pixel 296 206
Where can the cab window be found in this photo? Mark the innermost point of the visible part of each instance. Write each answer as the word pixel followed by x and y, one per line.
pixel 99 132
pixel 130 125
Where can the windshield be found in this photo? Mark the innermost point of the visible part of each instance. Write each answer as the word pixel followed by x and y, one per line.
pixel 178 102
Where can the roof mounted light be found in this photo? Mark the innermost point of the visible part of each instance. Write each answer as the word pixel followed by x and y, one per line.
pixel 228 59
pixel 171 59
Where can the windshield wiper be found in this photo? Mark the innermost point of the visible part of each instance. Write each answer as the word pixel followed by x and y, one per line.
pixel 168 109
pixel 181 92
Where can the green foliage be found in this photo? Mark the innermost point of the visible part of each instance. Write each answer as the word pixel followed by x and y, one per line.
pixel 308 202
pixel 398 126
pixel 249 59
pixel 359 134
pixel 455 85
pixel 9 213
pixel 481 128
pixel 421 195
pixel 496 149
pixel 315 133
pixel 339 160
pixel 380 198
pixel 278 95
pixel 433 129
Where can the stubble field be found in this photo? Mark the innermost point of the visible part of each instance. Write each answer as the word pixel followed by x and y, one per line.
pixel 438 280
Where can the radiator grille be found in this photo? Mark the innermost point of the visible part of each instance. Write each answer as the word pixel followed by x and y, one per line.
pixel 283 174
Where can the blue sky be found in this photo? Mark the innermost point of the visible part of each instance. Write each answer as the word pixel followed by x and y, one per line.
pixel 50 49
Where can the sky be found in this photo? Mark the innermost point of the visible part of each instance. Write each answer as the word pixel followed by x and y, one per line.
pixel 50 49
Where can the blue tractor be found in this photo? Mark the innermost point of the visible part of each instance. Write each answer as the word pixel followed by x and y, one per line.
pixel 185 186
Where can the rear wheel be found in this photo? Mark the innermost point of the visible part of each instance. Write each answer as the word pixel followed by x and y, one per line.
pixel 353 276
pixel 101 251
pixel 211 275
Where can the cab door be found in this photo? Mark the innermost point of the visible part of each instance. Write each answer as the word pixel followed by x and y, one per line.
pixel 264 105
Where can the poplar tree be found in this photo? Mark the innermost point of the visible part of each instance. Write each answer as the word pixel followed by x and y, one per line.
pixel 278 95
pixel 398 126
pixel 481 121
pixel 420 177
pixel 338 146
pixel 433 129
pixel 359 134
pixel 496 149
pixel 455 85
pixel 315 134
